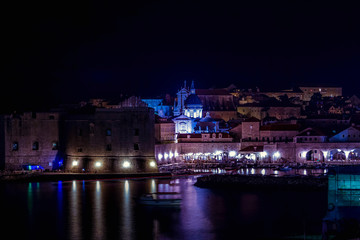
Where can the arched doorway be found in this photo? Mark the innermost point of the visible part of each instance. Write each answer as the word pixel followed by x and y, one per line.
pixel 336 155
pixel 354 155
pixel 315 155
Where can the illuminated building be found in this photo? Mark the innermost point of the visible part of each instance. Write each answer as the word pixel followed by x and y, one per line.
pixel 119 138
pixel 110 140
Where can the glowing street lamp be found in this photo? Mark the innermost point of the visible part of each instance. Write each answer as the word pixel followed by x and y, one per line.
pixel 98 164
pixel 232 154
pixel 75 163
pixel 152 164
pixel 276 154
pixel 126 164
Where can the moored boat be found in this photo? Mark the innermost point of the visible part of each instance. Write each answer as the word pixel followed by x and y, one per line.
pixel 160 199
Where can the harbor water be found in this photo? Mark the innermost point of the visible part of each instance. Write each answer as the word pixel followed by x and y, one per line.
pixel 107 209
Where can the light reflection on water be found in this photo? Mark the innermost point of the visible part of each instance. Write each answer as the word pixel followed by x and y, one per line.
pixel 264 171
pixel 74 212
pixel 99 229
pixel 107 210
pixel 126 212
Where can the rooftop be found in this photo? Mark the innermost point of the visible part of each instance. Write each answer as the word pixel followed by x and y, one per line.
pixel 218 91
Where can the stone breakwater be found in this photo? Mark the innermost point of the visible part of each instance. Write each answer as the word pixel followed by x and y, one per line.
pixel 259 182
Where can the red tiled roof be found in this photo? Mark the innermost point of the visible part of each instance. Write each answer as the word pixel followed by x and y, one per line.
pixel 311 132
pixel 252 119
pixel 280 127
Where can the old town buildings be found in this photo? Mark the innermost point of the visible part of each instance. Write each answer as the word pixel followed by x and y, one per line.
pixel 306 124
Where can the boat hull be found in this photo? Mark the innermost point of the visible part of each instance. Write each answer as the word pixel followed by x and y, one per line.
pixel 159 202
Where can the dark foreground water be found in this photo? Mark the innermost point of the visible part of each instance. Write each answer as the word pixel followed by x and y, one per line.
pixel 106 210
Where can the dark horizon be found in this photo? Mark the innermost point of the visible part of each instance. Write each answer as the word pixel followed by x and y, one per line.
pixel 75 51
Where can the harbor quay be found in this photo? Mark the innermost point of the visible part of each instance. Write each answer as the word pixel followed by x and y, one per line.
pixel 345 153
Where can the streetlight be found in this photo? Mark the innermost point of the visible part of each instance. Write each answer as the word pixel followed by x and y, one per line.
pixel 126 164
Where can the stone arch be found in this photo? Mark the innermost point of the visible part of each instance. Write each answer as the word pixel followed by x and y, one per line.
pixel 354 155
pixel 336 155
pixel 315 155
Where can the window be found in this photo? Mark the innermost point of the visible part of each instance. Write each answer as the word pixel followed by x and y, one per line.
pixel 15 146
pixel 108 132
pixel 80 132
pixel 108 147
pixel 136 132
pixel 92 129
pixel 54 145
pixel 136 146
pixel 51 117
pixel 35 146
pixel 79 150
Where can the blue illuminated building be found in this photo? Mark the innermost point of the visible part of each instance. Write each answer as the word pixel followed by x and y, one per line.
pixel 159 108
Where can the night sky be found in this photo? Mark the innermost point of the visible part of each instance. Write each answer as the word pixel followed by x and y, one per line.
pixel 67 51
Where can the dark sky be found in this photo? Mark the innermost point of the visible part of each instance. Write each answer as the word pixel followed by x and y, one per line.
pixel 66 51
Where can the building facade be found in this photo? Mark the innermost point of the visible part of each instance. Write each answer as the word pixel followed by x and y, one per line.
pixel 110 140
pixel 30 140
pixel 82 140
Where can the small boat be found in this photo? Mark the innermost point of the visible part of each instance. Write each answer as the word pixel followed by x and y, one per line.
pixel 286 168
pixel 160 199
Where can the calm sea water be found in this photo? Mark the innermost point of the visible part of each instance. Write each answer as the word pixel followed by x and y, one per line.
pixel 107 210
